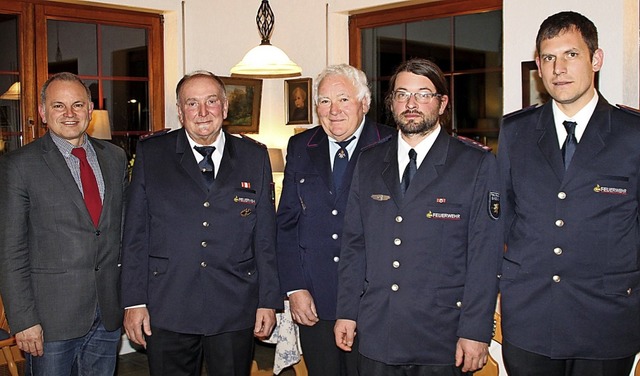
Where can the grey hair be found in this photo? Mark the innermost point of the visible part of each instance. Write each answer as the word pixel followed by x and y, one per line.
pixel 355 75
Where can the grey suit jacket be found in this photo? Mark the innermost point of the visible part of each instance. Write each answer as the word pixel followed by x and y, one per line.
pixel 56 268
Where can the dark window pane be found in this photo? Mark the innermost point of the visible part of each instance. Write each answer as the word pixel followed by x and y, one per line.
pixel 72 47
pixel 10 127
pixel 9 43
pixel 430 40
pixel 382 49
pixel 129 102
pixel 478 41
pixel 10 123
pixel 124 51
pixel 478 103
pixel 377 110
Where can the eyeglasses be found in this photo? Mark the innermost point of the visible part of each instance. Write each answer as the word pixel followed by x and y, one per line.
pixel 422 97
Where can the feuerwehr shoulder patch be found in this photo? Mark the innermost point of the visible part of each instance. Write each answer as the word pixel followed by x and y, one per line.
pixel 494 205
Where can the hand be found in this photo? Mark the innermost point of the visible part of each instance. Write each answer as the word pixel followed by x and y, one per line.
pixel 345 332
pixel 303 309
pixel 136 320
pixel 265 322
pixel 31 340
pixel 473 353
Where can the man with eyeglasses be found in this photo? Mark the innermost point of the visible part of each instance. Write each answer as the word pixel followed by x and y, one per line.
pixel 421 242
pixel 320 163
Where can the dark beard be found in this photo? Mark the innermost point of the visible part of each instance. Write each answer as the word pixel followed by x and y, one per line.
pixel 417 127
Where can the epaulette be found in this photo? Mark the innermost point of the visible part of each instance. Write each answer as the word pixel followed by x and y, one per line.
pixel 629 110
pixel 474 143
pixel 155 134
pixel 521 111
pixel 245 137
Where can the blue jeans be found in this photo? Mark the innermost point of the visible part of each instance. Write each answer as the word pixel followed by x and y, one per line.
pixel 93 354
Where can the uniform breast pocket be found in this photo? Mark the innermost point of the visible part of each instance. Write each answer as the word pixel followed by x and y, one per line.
pixel 448 218
pixel 612 198
pixel 245 196
pixel 446 226
pixel 611 186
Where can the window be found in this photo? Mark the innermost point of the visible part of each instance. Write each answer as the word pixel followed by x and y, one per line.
pixel 463 37
pixel 115 52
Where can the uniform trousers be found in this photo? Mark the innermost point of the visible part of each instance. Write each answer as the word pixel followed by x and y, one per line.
pixel 177 354
pixel 322 356
pixel 519 362
pixel 370 367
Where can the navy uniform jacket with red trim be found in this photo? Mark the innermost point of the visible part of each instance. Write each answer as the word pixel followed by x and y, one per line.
pixel 201 261
pixel 570 274
pixel 419 271
pixel 311 214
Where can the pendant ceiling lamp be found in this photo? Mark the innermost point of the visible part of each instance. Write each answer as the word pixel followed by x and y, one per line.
pixel 266 60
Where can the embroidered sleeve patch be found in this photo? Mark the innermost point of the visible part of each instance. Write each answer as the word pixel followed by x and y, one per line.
pixel 494 205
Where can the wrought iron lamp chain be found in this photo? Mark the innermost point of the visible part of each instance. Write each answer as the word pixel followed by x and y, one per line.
pixel 265 20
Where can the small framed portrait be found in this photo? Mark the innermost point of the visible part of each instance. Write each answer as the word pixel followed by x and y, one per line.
pixel 244 96
pixel 533 91
pixel 297 99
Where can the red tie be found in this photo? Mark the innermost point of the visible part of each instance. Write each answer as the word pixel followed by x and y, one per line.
pixel 89 186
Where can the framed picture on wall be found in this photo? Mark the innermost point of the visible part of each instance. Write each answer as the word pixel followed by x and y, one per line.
pixel 297 100
pixel 244 96
pixel 533 91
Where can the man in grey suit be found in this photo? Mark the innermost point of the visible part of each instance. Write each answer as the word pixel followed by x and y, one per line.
pixel 60 238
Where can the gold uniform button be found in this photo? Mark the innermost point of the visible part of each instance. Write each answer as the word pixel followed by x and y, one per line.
pixel 397 241
pixel 203 244
pixel 203 264
pixel 559 223
pixel 399 218
pixel 557 251
pixel 301 180
pixel 395 287
pixel 334 236
pixel 336 259
pixel 556 278
pixel 206 204
pixel 562 195
pixel 396 264
pixel 459 304
pixel 629 291
pixel 334 212
pixel 205 224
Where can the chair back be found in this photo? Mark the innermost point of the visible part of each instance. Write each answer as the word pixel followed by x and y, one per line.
pixel 12 360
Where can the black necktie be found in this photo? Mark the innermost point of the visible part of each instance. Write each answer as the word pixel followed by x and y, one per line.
pixel 90 190
pixel 570 142
pixel 206 165
pixel 340 162
pixel 409 171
